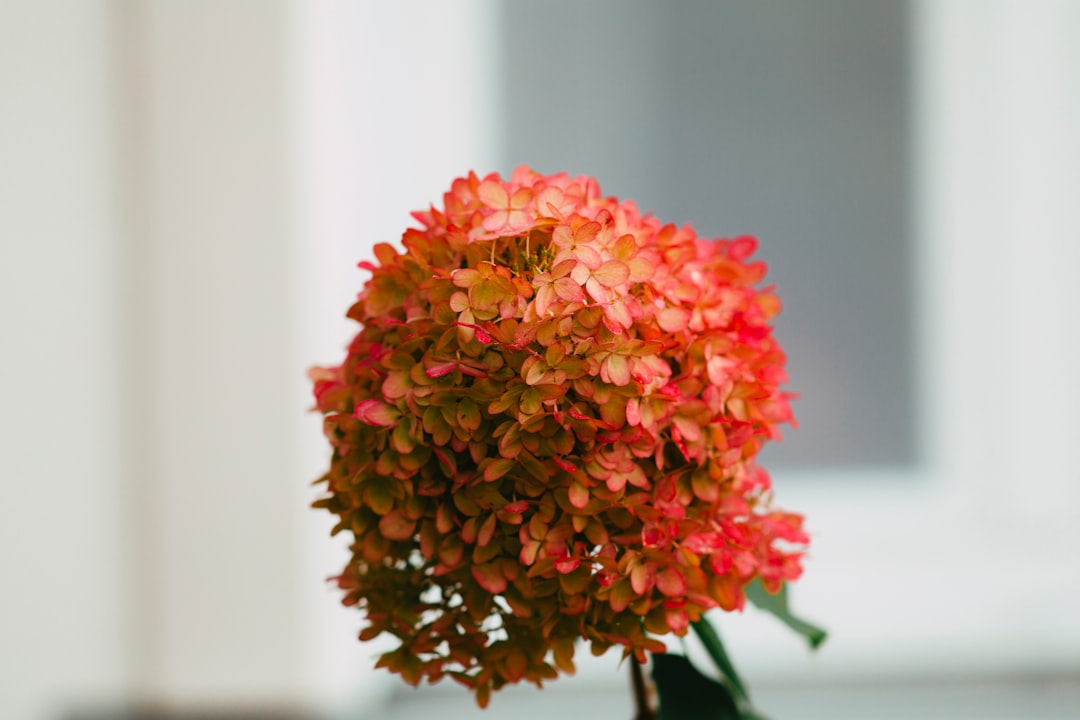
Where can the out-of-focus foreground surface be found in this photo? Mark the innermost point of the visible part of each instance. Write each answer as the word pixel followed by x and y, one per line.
pixel 185 188
pixel 1046 699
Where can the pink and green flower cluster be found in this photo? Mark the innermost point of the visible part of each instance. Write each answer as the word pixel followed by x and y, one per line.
pixel 545 431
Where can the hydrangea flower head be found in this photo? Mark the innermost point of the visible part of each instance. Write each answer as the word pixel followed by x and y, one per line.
pixel 545 432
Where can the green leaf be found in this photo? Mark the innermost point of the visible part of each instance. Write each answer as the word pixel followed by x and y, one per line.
pixel 686 694
pixel 711 640
pixel 778 605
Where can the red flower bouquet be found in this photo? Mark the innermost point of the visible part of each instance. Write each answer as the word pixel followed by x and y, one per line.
pixel 545 432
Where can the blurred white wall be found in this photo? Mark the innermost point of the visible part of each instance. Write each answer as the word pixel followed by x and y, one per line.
pixel 184 190
pixel 390 102
pixel 63 599
pixel 203 106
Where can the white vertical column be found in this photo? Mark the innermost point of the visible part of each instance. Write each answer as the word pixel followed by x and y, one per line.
pixel 214 512
pixel 328 185
pixel 1039 71
pixel 998 181
pixel 392 101
pixel 960 250
pixel 62 603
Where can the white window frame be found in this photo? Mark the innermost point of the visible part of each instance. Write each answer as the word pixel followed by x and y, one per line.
pixel 967 560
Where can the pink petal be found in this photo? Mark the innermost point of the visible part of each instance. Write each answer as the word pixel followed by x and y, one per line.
pixel 440 369
pixel 720 562
pixel 616 482
pixel 564 464
pixel 549 202
pixel 563 268
pixel 545 296
pixel 671 582
pixel 481 334
pixel 625 247
pixel 598 292
pixel 617 314
pixel 518 506
pixel 612 273
pixel 490 577
pixel 569 290
pixel 521 198
pixel 471 371
pixel 588 232
pixel 742 247
pixel 577 414
pixel 687 428
pixel 519 221
pixel 588 257
pixel 617 370
pixel 529 551
pixel 396 385
pixel 466 277
pixel 497 220
pixel 567 565
pixel 562 236
pixel 579 495
pixel 459 302
pixel 493 194
pixel 641 579
pixel 652 536
pixel 720 369
pixel 377 413
pixel 580 273
pixel 641 269
pixel 673 319
pixel 703 543
pixel 678 620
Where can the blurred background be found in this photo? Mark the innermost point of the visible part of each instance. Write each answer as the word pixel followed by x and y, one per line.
pixel 186 187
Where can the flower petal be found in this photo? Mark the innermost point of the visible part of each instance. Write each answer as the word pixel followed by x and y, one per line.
pixel 612 273
pixel 569 290
pixel 377 413
pixel 490 577
pixel 498 468
pixel 395 526
pixel 617 370
pixel 493 194
pixel 672 319
pixel 567 565
pixel 579 495
pixel 671 582
pixel 440 369
pixel 588 257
